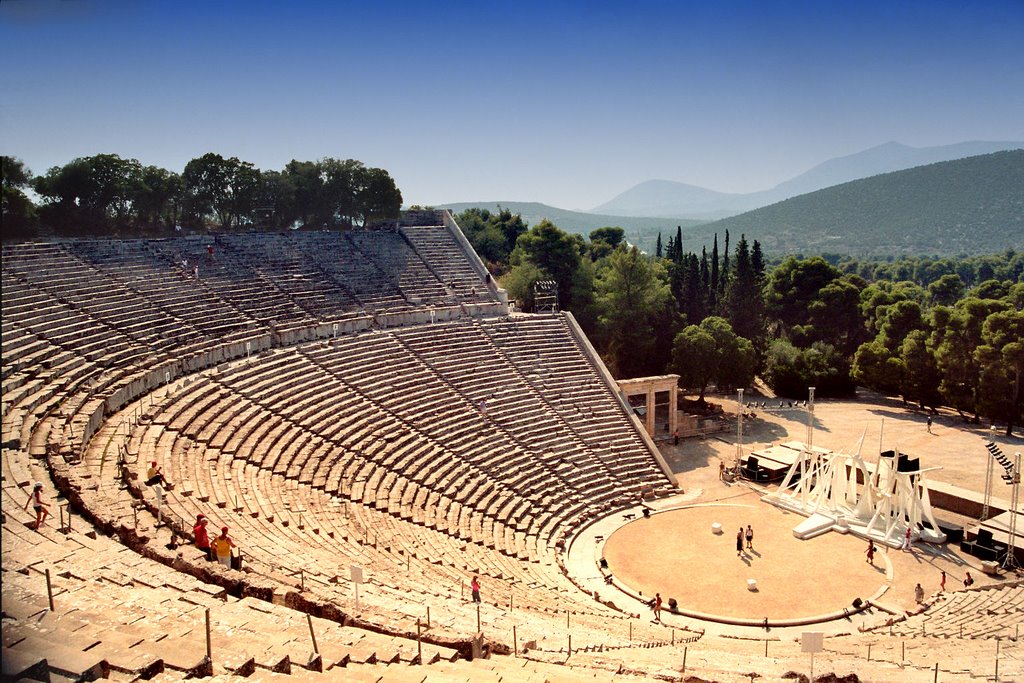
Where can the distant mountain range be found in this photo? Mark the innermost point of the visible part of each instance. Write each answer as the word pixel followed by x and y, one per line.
pixel 967 206
pixel 665 198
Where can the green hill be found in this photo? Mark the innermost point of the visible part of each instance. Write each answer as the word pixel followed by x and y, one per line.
pixel 643 232
pixel 966 206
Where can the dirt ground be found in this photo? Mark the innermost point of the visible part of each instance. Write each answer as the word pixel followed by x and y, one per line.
pixel 675 552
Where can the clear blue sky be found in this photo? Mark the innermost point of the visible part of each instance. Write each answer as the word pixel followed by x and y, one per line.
pixel 564 103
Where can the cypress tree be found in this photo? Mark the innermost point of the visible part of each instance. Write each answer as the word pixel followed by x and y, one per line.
pixel 713 284
pixel 657 247
pixel 723 281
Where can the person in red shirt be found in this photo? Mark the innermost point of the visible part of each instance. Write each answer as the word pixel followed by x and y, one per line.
pixel 202 536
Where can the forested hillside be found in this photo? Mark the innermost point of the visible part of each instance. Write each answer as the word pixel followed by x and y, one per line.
pixel 968 206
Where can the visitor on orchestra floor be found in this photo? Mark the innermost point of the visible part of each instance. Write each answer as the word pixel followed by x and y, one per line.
pixel 750 537
pixel 222 546
pixel 35 497
pixel 203 536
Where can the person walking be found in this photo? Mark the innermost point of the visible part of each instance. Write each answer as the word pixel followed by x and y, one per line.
pixel 739 542
pixel 203 536
pixel 222 546
pixel 657 607
pixel 968 580
pixel 929 424
pixel 918 594
pixel 942 581
pixel 750 537
pixel 35 496
pixel 474 586
pixel 906 541
pixel 871 553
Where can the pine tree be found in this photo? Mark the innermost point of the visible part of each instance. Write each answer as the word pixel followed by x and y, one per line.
pixel 757 262
pixel 744 302
pixel 692 305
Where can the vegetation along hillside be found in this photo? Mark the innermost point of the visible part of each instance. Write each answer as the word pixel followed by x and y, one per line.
pixel 968 206
pixel 640 231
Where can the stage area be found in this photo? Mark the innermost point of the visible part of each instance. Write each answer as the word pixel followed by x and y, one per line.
pixel 676 553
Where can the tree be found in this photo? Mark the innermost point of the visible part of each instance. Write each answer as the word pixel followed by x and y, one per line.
pixel 19 213
pixel 793 286
pixel 920 376
pixel 744 302
pixel 946 290
pixel 556 254
pixel 1001 356
pixel 377 196
pixel 226 188
pixel 956 335
pixel 158 198
pixel 603 241
pixel 90 194
pixel 875 367
pixel 631 293
pixel 710 352
pixel 789 370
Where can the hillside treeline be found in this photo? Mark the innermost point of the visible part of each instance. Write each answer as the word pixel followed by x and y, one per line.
pixel 105 194
pixel 935 331
pixel 965 206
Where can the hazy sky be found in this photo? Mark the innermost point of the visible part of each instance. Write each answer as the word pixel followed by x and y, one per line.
pixel 564 103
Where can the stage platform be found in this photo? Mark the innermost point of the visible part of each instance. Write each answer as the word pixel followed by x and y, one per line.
pixel 771 464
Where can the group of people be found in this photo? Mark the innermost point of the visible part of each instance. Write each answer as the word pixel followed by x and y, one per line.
pixel 219 549
pixel 742 535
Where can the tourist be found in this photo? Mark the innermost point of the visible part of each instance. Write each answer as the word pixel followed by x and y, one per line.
pixel 739 542
pixel 871 553
pixel 918 594
pixel 675 437
pixel 721 470
pixel 35 497
pixel 474 586
pixel 202 536
pixel 222 546
pixel 750 537
pixel 968 580
pixel 657 607
pixel 155 477
pixel 906 541
pixel 929 424
pixel 942 581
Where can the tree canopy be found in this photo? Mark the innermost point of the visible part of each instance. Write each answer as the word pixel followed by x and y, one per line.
pixel 106 194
